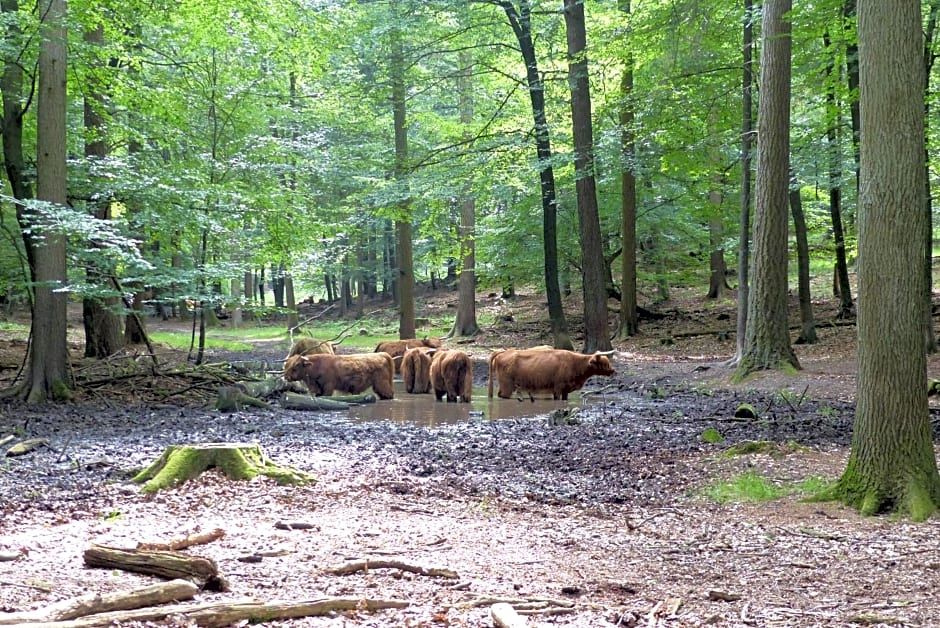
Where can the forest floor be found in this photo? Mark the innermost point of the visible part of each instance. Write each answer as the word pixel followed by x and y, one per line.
pixel 603 522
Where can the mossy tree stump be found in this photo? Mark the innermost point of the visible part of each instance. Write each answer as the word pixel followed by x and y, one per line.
pixel 238 461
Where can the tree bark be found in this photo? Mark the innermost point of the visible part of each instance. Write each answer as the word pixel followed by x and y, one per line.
pixel 593 269
pixel 892 465
pixel 930 338
pixel 203 572
pixel 767 341
pixel 48 374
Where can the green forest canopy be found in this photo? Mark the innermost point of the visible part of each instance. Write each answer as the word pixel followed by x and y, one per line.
pixel 244 135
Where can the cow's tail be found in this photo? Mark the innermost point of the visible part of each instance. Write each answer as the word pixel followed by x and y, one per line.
pixel 492 373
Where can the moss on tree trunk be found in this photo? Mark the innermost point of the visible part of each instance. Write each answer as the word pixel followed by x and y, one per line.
pixel 238 461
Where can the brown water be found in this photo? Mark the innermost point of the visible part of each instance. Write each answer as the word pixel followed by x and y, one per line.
pixel 426 411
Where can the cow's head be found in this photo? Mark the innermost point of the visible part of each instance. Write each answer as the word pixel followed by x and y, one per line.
pixel 600 364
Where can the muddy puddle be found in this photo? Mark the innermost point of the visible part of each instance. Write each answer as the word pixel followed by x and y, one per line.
pixel 426 411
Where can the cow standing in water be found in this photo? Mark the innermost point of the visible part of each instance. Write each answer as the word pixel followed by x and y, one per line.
pixel 416 369
pixel 452 375
pixel 350 373
pixel 397 348
pixel 542 370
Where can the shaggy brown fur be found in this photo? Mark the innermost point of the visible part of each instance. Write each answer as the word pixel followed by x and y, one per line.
pixel 311 346
pixel 397 348
pixel 540 370
pixel 416 369
pixel 350 373
pixel 452 374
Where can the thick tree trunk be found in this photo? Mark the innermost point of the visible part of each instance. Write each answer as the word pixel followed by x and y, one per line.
pixel 892 465
pixel 930 338
pixel 48 374
pixel 593 281
pixel 767 342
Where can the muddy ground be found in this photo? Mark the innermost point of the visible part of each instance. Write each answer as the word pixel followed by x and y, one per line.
pixel 604 517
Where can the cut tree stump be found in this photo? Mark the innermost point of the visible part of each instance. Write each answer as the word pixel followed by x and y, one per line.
pixel 203 572
pixel 238 461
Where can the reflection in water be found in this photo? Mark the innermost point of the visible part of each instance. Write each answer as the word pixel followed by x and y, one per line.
pixel 426 411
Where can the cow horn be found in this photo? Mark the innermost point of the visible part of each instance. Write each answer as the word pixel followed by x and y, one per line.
pixel 607 353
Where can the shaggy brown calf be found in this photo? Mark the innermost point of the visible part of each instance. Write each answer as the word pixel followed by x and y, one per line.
pixel 544 370
pixel 397 348
pixel 311 346
pixel 452 374
pixel 353 373
pixel 416 369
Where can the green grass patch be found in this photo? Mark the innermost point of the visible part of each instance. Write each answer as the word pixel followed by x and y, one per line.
pixel 752 487
pixel 9 326
pixel 768 447
pixel 183 341
pixel 711 435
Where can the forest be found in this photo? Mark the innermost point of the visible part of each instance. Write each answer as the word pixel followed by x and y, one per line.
pixel 582 166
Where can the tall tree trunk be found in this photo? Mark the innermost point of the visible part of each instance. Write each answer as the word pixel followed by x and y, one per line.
pixel 403 227
pixel 103 330
pixel 747 140
pixel 717 282
pixel 593 279
pixel 807 322
pixel 892 465
pixel 767 342
pixel 628 319
pixel 48 375
pixel 846 305
pixel 930 338
pixel 520 20
pixel 465 323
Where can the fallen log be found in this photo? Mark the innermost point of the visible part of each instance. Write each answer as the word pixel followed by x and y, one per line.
pixel 294 401
pixel 203 572
pixel 199 538
pixel 26 446
pixel 217 615
pixel 238 461
pixel 365 565
pixel 91 604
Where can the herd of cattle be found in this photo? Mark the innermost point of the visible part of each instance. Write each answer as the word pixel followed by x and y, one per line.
pixel 426 367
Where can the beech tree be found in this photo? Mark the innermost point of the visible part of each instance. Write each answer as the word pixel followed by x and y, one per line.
pixel 767 339
pixel 48 377
pixel 594 286
pixel 892 464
